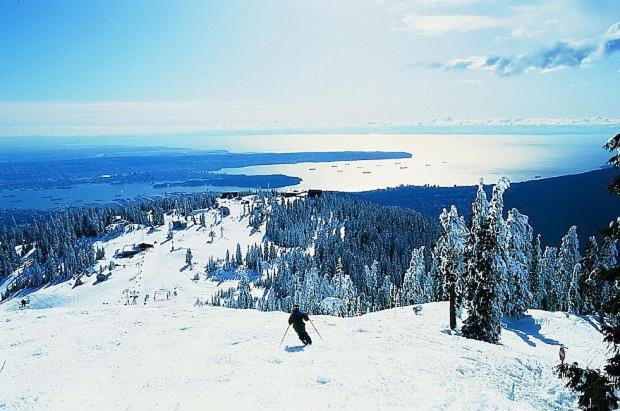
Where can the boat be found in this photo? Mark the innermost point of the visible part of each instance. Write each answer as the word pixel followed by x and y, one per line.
pixel 365 172
pixel 403 167
pixel 9 196
pixel 312 169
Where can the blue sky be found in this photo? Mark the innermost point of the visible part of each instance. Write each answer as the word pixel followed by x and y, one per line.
pixel 156 66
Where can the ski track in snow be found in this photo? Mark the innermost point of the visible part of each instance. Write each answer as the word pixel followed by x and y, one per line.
pixel 92 352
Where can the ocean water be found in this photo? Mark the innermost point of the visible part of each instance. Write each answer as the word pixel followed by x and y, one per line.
pixel 438 159
pixel 443 160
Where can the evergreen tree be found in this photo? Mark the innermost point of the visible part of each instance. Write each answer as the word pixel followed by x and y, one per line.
pixel 500 229
pixel 244 297
pixel 519 253
pixel 310 296
pixel 450 250
pixel 551 300
pixel 484 306
pixel 188 258
pixel 384 297
pixel 486 264
pixel 537 282
pixel 591 287
pixel 416 284
pixel 568 257
pixel 238 255
pixel 575 302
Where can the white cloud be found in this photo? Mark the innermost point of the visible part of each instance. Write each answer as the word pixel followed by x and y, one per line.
pixel 560 55
pixel 438 25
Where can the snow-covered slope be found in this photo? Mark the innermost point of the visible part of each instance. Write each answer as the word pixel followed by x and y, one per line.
pixel 169 355
pixel 159 268
pixel 83 348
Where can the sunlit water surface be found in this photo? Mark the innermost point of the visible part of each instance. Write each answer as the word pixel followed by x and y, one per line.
pixel 443 160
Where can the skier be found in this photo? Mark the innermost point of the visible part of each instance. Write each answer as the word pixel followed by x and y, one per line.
pixel 297 319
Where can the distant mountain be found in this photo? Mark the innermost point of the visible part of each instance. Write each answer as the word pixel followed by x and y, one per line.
pixel 553 204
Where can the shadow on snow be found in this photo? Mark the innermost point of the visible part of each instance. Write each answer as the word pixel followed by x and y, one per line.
pixel 296 348
pixel 528 329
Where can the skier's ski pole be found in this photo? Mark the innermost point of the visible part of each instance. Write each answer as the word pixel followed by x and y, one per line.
pixel 317 331
pixel 285 332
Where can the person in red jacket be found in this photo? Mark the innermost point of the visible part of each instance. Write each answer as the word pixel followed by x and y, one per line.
pixel 297 319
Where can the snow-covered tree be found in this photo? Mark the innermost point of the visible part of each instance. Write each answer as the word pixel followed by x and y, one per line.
pixel 484 305
pixel 519 253
pixel 568 257
pixel 499 228
pixel 188 258
pixel 244 295
pixel 550 300
pixel 238 255
pixel 449 251
pixel 416 283
pixel 348 295
pixel 575 299
pixel 384 296
pixel 372 278
pixel 537 282
pixel 591 287
pixel 486 262
pixel 310 295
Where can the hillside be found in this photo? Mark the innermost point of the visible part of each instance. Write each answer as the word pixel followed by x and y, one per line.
pixel 82 347
pixel 553 204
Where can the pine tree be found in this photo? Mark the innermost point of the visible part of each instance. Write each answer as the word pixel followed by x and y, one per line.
pixel 519 253
pixel 537 283
pixel 349 296
pixel 575 302
pixel 310 299
pixel 244 297
pixel 384 297
pixel 188 258
pixel 500 229
pixel 568 257
pixel 238 255
pixel 416 282
pixel 484 307
pixel 450 250
pixel 591 288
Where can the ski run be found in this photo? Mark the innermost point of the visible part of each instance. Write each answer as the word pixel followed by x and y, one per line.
pixel 143 339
